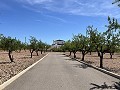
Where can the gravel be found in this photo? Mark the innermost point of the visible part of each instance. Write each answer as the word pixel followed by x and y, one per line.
pixel 22 60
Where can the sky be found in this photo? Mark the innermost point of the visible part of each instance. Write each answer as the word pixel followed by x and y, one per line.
pixel 49 20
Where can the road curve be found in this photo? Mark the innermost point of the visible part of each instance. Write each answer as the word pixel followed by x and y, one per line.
pixel 57 72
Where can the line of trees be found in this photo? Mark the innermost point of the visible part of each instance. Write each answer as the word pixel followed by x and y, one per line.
pixel 12 44
pixel 95 41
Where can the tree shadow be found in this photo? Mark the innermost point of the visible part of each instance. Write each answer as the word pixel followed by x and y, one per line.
pixel 24 57
pixel 89 62
pixel 30 55
pixel 92 56
pixel 115 86
pixel 84 66
pixel 71 59
pixel 63 54
pixel 5 62
pixel 110 58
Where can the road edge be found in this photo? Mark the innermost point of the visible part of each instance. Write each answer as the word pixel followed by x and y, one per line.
pixel 2 86
pixel 102 70
pixel 99 69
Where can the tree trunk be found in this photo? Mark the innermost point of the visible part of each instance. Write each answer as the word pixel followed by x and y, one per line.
pixel 31 53
pixel 83 56
pixel 10 57
pixel 98 54
pixel 74 54
pixel 70 53
pixel 41 51
pixel 111 54
pixel 37 52
pixel 101 60
pixel 90 53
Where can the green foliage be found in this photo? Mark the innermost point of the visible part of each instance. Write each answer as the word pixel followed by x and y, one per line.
pixel 67 46
pixel 37 45
pixel 9 44
pixel 33 43
pixel 84 44
pixel 116 2
pixel 40 45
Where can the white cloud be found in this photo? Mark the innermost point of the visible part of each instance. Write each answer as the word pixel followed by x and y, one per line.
pixel 57 18
pixel 33 2
pixel 77 7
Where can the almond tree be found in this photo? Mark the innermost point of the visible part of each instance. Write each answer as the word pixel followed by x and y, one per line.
pixel 74 45
pixel 40 46
pixel 91 33
pixel 84 44
pixel 112 36
pixel 47 46
pixel 67 47
pixel 99 42
pixel 33 45
pixel 10 45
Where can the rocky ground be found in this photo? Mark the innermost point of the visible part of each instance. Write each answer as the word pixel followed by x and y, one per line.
pixel 109 64
pixel 21 61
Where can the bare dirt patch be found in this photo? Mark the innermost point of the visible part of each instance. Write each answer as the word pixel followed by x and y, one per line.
pixel 22 60
pixel 109 64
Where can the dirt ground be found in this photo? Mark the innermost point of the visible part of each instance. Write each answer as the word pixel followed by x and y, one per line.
pixel 21 61
pixel 112 65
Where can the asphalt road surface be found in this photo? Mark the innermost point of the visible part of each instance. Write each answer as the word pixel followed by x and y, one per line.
pixel 57 72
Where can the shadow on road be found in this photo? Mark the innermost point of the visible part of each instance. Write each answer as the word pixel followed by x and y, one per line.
pixel 115 86
pixel 80 66
pixel 71 59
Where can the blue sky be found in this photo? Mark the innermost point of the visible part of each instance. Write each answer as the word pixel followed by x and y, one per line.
pixel 49 20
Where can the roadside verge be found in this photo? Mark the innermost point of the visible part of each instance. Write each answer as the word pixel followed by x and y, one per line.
pixel 2 86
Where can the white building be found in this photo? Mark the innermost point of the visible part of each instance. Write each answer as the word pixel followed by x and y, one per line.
pixel 57 43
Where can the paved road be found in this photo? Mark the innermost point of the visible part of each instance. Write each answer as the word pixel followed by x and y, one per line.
pixel 57 72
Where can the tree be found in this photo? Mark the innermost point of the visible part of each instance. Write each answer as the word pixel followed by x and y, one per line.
pixel 89 30
pixel 1 36
pixel 33 45
pixel 91 33
pixel 47 46
pixel 116 1
pixel 19 45
pixel 40 46
pixel 84 44
pixel 24 46
pixel 10 45
pixel 99 42
pixel 67 46
pixel 112 36
pixel 74 45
